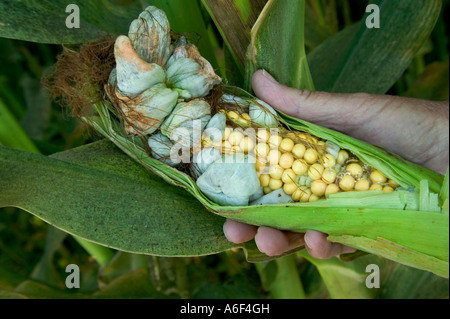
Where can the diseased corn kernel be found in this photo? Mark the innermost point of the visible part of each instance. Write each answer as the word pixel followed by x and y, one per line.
pixel 347 183
pixel 275 184
pixel 377 177
pixel 290 188
pixel 315 171
pixel 286 160
pixel 332 189
pixel 354 169
pixel 299 167
pixel 313 198
pixel 264 180
pixel 376 187
pixel 288 176
pixel 286 145
pixel 393 184
pixel 247 144
pixel 263 135
pixel 318 187
pixel 342 157
pixel 387 189
pixel 262 149
pixel 232 115
pixel 275 141
pixel 235 137
pixel 362 185
pixel 328 160
pixel 276 171
pixel 310 156
pixel 274 156
pixel 329 175
pixel 267 190
pixel 320 143
pixel 299 150
pixel 226 133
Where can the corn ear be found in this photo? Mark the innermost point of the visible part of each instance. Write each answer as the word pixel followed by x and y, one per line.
pixel 408 227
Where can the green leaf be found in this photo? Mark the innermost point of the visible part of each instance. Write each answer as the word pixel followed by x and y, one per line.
pixel 98 193
pixel 45 21
pixel 359 59
pixel 234 20
pixel 343 280
pixel 45 271
pixel 277 44
pixel 11 133
pixel 433 84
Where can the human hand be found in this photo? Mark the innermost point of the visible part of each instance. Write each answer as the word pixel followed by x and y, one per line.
pixel 417 130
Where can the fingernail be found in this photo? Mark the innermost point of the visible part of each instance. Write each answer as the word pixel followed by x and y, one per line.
pixel 269 77
pixel 305 238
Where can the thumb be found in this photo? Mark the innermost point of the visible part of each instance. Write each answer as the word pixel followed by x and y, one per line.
pixel 338 111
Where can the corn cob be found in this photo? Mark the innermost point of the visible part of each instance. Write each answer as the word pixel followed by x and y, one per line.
pixel 357 193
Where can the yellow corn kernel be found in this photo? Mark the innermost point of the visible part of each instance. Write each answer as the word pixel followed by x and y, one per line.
pixel 315 171
pixel 332 189
pixel 264 180
pixel 387 189
pixel 299 167
pixel 376 187
pixel 275 141
pixel 262 149
pixel 276 171
pixel 354 169
pixel 290 188
pixel 393 184
pixel 247 144
pixel 305 195
pixel 347 183
pixel 328 160
pixel 235 138
pixel 275 184
pixel 288 176
pixel 263 135
pixel 245 116
pixel 329 175
pixel 226 133
pixel 267 190
pixel 377 177
pixel 286 145
pixel 274 156
pixel 318 187
pixel 232 115
pixel 286 160
pixel 313 198
pixel 299 150
pixel 311 156
pixel 342 157
pixel 260 164
pixel 362 185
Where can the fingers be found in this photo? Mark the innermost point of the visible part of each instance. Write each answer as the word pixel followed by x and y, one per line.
pixel 330 110
pixel 274 242
pixel 318 246
pixel 237 232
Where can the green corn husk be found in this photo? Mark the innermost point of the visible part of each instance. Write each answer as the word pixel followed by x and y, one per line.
pixel 408 226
